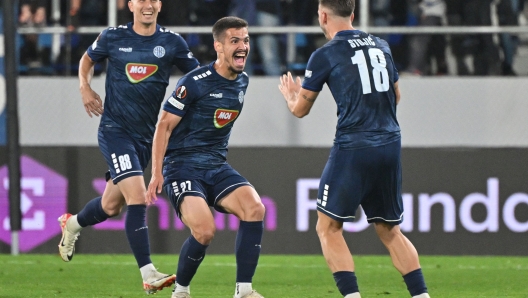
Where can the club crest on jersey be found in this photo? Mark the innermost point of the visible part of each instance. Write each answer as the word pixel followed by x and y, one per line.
pixel 137 72
pixel 159 51
pixel 181 92
pixel 222 117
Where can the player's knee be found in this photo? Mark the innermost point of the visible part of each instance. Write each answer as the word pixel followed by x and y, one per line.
pixel 255 212
pixel 113 208
pixel 204 233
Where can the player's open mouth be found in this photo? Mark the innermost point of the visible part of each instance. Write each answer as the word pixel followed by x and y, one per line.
pixel 148 13
pixel 240 58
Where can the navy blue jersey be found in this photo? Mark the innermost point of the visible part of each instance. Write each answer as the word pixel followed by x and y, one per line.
pixel 138 73
pixel 208 104
pixel 359 71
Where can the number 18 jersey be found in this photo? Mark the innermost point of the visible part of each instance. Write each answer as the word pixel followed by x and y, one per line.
pixel 360 73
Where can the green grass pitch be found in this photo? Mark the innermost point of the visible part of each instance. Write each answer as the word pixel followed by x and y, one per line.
pixel 278 276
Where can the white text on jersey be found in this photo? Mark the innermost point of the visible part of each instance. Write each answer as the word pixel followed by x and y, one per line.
pixel 354 43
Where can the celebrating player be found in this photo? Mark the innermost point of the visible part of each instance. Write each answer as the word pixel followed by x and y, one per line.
pixel 364 164
pixel 140 57
pixel 192 134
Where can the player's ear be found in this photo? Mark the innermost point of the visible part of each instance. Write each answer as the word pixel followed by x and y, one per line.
pixel 130 6
pixel 352 18
pixel 218 46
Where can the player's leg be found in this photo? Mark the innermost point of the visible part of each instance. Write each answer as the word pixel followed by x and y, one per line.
pixel 243 201
pixel 337 254
pixel 404 257
pixel 342 187
pixel 133 189
pixel 195 214
pixel 95 211
pixel 384 208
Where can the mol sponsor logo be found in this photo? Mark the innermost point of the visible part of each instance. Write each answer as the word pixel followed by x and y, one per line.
pixel 223 117
pixel 137 72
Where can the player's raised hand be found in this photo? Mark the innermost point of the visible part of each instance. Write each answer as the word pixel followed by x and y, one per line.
pixel 288 87
pixel 92 102
pixel 155 186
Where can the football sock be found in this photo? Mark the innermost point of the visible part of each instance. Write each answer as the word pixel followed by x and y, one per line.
pixel 92 213
pixel 137 233
pixel 424 295
pixel 191 256
pixel 415 282
pixel 354 295
pixel 247 249
pixel 242 289
pixel 147 270
pixel 73 225
pixel 181 289
pixel 346 282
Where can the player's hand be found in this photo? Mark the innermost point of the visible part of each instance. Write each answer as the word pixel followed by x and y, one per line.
pixel 288 87
pixel 92 102
pixel 155 186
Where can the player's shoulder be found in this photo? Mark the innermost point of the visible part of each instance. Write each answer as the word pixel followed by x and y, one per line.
pixel 117 31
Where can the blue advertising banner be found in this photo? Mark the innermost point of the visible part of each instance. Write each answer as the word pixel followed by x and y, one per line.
pixel 2 85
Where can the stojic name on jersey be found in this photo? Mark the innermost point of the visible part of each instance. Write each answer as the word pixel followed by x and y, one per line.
pixel 367 41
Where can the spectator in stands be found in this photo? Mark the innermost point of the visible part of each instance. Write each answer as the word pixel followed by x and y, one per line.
pixel 508 12
pixel 204 13
pixel 123 13
pixel 33 53
pixel 486 59
pixel 431 13
pixel 265 13
pixel 381 14
pixel 301 13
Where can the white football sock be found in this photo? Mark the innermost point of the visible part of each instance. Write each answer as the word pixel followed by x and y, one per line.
pixel 181 289
pixel 146 270
pixel 73 225
pixel 242 289
pixel 424 295
pixel 353 295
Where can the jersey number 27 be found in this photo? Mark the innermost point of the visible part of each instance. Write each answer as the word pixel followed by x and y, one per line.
pixel 379 70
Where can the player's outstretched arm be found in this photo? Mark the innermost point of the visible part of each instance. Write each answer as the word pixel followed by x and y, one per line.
pixel 91 100
pixel 164 128
pixel 299 100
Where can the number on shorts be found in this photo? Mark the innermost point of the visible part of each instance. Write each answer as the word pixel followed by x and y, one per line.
pixel 124 162
pixel 185 186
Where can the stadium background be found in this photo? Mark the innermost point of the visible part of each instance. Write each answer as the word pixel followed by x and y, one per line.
pixel 465 160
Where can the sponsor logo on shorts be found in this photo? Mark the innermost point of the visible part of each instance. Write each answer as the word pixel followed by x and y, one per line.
pixel 223 117
pixel 137 72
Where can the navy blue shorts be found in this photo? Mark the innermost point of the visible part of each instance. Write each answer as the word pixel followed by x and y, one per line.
pixel 370 177
pixel 124 155
pixel 210 184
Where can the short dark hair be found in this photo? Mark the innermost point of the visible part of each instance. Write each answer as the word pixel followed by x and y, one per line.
pixel 342 8
pixel 221 26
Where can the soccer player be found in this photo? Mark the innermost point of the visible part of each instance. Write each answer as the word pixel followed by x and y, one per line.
pixel 189 159
pixel 364 164
pixel 140 57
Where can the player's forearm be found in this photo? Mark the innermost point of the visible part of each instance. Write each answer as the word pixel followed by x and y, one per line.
pixel 86 71
pixel 159 147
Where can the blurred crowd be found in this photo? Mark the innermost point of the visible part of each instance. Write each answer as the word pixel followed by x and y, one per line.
pixel 425 54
